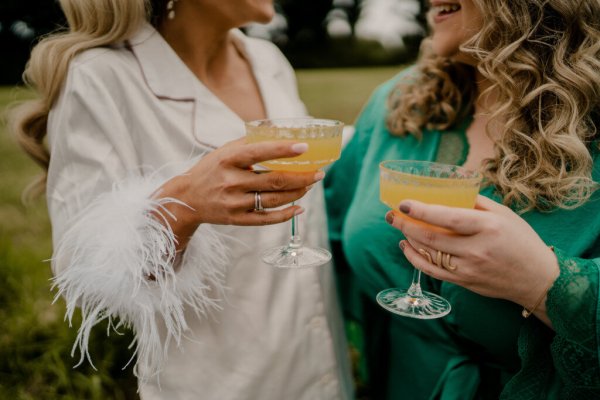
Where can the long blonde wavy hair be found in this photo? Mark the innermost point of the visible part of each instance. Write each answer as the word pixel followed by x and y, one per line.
pixel 543 59
pixel 91 23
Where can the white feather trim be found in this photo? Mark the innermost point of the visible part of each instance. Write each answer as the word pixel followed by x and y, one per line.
pixel 108 252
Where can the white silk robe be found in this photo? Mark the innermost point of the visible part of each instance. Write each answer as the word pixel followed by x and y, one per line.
pixel 225 326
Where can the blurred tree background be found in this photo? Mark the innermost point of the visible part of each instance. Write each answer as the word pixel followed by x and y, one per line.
pixel 311 33
pixel 346 33
pixel 21 24
pixel 333 44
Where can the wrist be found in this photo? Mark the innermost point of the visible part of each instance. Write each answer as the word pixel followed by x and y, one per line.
pixel 534 299
pixel 184 209
pixel 180 215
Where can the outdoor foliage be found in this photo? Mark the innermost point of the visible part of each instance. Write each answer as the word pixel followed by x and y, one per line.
pixel 307 44
pixel 35 342
pixel 20 22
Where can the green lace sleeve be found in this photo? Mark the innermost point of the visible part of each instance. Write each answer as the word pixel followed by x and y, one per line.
pixel 562 363
pixel 572 306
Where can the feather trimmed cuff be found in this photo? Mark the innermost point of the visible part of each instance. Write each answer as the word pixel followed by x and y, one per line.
pixel 105 256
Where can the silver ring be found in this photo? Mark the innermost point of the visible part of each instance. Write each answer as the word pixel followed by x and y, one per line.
pixel 258 202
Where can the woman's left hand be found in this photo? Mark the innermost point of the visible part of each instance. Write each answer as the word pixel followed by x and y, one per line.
pixel 495 252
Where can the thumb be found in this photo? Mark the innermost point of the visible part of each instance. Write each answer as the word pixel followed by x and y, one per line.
pixel 487 204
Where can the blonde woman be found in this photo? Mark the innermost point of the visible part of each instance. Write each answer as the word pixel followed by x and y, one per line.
pixel 154 207
pixel 510 88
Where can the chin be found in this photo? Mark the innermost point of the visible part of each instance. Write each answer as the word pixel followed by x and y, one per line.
pixel 265 13
pixel 265 19
pixel 444 49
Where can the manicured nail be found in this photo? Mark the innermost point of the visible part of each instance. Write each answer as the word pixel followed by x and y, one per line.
pixel 405 208
pixel 299 211
pixel 299 148
pixel 402 245
pixel 389 217
pixel 319 175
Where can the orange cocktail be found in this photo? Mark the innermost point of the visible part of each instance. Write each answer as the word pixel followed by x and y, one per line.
pixel 397 183
pixel 324 142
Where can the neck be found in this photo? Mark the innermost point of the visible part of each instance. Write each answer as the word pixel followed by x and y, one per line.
pixel 200 39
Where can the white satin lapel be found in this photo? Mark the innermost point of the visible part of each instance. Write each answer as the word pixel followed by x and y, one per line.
pixel 164 72
pixel 169 78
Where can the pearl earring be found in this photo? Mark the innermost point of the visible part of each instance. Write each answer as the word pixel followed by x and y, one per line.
pixel 171 8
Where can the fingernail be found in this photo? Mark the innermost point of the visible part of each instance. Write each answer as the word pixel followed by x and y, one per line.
pixel 389 217
pixel 309 187
pixel 402 245
pixel 405 208
pixel 319 175
pixel 299 211
pixel 299 148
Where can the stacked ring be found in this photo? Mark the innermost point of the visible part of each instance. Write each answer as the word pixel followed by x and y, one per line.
pixel 446 263
pixel 442 260
pixel 258 202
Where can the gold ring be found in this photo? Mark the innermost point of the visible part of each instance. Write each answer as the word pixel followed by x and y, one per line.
pixel 438 259
pixel 425 254
pixel 447 262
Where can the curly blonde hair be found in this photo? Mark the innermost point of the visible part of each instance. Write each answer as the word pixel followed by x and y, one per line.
pixel 92 23
pixel 543 59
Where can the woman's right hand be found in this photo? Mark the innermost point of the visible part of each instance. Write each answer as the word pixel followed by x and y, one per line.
pixel 220 187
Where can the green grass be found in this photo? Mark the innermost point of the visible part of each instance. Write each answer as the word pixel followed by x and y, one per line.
pixel 340 93
pixel 35 342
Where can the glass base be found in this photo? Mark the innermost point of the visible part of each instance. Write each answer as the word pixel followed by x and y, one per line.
pixel 299 257
pixel 427 306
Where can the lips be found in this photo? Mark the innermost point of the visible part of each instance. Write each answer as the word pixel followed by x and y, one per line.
pixel 443 9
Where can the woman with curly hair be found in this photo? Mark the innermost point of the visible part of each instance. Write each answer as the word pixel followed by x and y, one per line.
pixel 158 219
pixel 510 88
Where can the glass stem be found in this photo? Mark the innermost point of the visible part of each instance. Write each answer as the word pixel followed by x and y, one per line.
pixel 295 239
pixel 415 287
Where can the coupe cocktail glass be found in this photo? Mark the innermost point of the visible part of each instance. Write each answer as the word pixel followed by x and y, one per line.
pixel 324 139
pixel 432 183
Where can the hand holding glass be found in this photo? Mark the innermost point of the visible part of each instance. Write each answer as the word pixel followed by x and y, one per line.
pixel 431 183
pixel 324 139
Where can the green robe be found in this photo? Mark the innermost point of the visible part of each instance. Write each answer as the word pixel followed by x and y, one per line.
pixel 484 349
